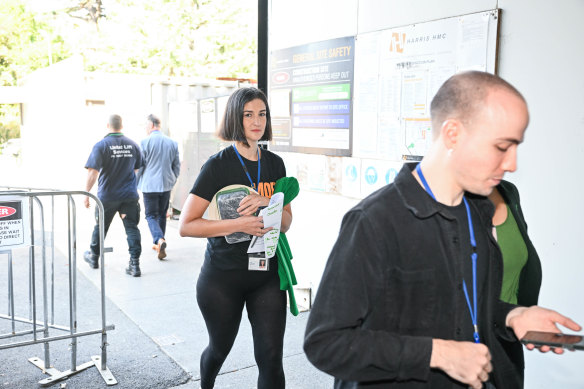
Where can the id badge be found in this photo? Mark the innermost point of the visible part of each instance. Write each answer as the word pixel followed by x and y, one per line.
pixel 258 261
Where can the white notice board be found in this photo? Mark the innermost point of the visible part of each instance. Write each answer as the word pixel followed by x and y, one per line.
pixel 399 70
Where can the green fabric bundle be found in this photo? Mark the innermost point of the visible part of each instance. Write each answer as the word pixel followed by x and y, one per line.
pixel 289 186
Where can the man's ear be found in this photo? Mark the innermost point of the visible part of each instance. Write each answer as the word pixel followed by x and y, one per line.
pixel 450 133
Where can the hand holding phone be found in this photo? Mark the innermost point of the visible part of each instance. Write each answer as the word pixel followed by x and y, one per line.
pixel 567 341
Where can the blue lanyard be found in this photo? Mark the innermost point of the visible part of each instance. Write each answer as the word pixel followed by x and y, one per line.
pixel 245 168
pixel 472 310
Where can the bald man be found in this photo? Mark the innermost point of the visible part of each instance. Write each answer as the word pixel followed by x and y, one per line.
pixel 410 294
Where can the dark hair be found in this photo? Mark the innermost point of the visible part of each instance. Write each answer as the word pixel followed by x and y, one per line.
pixel 231 126
pixel 463 96
pixel 115 122
pixel 155 121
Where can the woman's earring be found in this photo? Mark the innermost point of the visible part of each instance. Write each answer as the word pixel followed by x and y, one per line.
pixel 450 152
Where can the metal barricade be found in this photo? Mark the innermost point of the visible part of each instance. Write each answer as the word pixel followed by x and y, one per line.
pixel 32 215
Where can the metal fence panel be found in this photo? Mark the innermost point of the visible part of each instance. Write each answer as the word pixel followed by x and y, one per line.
pixel 23 224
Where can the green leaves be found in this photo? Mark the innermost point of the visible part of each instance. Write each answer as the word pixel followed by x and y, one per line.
pixel 191 38
pixel 200 38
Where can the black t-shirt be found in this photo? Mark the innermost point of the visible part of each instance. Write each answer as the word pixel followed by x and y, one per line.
pixel 221 170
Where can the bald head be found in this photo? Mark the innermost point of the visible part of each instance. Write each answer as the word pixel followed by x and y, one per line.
pixel 463 97
pixel 478 121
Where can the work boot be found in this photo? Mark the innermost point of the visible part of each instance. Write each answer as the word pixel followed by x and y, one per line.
pixel 91 259
pixel 133 268
pixel 161 248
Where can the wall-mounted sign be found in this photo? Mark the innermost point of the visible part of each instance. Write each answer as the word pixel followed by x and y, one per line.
pixel 311 97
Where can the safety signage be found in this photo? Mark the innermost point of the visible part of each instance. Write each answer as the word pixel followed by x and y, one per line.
pixel 13 223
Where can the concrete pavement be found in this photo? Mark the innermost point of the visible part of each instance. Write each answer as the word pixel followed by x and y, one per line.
pixel 158 316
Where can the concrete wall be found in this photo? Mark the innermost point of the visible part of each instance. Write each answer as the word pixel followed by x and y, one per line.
pixel 538 56
pixel 541 55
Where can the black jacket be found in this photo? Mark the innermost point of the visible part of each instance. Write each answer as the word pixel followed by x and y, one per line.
pixel 393 282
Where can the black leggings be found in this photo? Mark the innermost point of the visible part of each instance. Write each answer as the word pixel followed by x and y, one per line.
pixel 221 295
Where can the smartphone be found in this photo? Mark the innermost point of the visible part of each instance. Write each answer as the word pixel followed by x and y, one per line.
pixel 570 342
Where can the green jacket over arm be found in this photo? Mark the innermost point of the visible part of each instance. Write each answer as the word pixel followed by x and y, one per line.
pixel 289 186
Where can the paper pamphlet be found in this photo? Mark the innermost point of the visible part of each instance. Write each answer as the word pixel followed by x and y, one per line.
pixel 272 215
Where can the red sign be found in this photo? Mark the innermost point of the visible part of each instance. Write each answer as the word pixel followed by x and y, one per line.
pixel 6 211
pixel 281 77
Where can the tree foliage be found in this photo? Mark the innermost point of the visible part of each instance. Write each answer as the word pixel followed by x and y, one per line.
pixel 192 38
pixel 209 38
pixel 202 38
pixel 9 125
pixel 27 42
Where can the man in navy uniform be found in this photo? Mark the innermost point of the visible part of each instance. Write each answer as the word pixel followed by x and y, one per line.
pixel 114 162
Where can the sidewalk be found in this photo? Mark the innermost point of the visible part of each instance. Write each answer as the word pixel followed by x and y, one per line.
pixel 162 303
pixel 158 315
pixel 134 359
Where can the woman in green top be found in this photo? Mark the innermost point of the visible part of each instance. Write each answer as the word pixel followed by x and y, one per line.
pixel 521 264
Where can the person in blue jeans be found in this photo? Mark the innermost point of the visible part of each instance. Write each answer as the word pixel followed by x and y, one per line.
pixel 158 174
pixel 113 162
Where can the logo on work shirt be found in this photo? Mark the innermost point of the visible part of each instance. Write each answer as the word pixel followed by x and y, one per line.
pixel 121 151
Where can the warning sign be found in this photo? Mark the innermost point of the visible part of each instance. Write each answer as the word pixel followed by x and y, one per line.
pixel 12 224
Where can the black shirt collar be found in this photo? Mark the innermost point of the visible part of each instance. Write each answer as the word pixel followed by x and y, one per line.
pixel 422 205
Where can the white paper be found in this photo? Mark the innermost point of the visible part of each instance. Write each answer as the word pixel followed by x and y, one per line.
pixel 256 245
pixel 272 215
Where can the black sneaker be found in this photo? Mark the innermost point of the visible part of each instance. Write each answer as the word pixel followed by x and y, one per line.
pixel 133 268
pixel 91 259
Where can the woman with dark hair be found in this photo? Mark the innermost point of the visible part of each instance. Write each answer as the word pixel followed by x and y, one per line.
pixel 228 280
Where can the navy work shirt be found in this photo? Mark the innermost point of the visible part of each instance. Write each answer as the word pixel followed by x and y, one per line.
pixel 115 157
